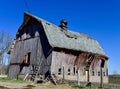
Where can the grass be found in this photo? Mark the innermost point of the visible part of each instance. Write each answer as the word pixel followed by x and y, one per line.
pixel 6 79
pixel 83 87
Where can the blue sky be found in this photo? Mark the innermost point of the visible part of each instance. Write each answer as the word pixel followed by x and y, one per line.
pixel 100 19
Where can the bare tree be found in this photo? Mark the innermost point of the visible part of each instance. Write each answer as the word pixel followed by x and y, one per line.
pixel 5 42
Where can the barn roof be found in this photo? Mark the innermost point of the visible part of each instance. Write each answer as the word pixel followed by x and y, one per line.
pixel 68 39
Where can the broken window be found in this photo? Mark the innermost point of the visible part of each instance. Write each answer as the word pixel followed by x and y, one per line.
pixel 59 71
pixel 98 73
pixel 93 73
pixel 74 70
pixel 68 71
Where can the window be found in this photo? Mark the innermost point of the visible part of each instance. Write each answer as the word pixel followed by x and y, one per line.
pixel 68 71
pixel 74 70
pixel 59 71
pixel 98 73
pixel 93 73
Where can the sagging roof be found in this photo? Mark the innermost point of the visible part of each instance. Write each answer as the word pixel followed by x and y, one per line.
pixel 67 39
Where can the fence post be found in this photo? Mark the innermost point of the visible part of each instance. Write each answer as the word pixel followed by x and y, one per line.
pixel 101 74
pixel 78 77
pixel 101 78
pixel 63 74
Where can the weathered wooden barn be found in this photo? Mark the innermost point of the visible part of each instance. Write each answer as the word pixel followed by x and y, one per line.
pixel 41 47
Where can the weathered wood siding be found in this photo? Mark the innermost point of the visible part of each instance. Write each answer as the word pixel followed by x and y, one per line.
pixel 31 39
pixel 80 62
pixel 72 62
pixel 69 61
pixel 22 47
pixel 13 71
pixel 60 60
pixel 44 53
pixel 95 67
pixel 95 71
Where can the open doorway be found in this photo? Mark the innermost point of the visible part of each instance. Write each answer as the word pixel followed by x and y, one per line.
pixel 26 59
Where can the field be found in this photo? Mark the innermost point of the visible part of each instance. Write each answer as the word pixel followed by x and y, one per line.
pixel 29 85
pixel 6 83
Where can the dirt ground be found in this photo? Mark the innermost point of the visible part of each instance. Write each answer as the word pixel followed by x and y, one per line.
pixel 30 85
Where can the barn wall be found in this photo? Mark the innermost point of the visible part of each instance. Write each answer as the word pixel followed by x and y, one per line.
pixel 13 71
pixel 95 71
pixel 23 47
pixel 31 39
pixel 69 61
pixel 27 40
pixel 95 67
pixel 60 60
pixel 44 53
pixel 75 62
pixel 25 70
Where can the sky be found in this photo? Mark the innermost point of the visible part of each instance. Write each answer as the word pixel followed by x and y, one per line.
pixel 99 19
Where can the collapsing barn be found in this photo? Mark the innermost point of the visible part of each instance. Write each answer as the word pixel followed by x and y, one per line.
pixel 43 48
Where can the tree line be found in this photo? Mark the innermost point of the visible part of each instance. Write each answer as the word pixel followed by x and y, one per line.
pixel 5 42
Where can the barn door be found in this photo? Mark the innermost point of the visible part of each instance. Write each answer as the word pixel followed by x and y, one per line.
pixel 26 59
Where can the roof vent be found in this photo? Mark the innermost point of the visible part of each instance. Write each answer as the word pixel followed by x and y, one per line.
pixel 63 24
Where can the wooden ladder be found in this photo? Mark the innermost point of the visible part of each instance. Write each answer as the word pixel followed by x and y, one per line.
pixel 35 72
pixel 89 61
pixel 53 79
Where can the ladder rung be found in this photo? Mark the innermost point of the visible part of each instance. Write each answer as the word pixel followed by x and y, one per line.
pixel 35 72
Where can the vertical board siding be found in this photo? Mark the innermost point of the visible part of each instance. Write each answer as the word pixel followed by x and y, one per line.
pixel 62 59
pixel 44 54
pixel 23 47
pixel 80 62
pixel 13 71
pixel 34 42
pixel 17 53
pixel 25 70
pixel 95 66
pixel 69 61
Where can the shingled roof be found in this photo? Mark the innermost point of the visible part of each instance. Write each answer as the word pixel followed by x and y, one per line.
pixel 68 39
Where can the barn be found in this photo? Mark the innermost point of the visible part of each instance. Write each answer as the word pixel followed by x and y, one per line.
pixel 42 48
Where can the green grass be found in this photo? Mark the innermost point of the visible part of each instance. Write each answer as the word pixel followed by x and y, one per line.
pixel 83 87
pixel 5 79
